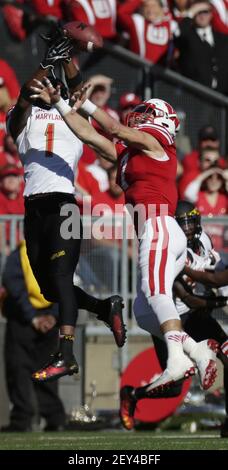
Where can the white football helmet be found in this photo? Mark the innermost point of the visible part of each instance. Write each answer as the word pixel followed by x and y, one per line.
pixel 154 111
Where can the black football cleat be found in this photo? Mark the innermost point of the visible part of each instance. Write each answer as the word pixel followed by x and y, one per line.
pixel 57 367
pixel 113 318
pixel 127 407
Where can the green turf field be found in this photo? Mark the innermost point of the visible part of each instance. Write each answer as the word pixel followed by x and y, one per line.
pixel 112 440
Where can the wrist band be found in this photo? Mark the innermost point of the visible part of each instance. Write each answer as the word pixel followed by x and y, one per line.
pixel 88 107
pixel 63 107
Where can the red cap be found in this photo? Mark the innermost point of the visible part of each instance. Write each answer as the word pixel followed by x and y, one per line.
pixel 10 170
pixel 129 99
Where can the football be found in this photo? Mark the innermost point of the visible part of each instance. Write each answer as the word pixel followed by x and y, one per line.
pixel 83 36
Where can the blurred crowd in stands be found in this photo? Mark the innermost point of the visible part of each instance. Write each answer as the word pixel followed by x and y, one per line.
pixel 190 36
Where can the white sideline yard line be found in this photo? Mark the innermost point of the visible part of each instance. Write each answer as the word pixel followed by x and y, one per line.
pixel 133 436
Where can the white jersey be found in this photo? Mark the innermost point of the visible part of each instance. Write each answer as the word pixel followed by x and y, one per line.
pixel 197 262
pixel 49 152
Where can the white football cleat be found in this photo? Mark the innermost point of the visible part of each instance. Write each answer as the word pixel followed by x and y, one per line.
pixel 184 369
pixel 204 355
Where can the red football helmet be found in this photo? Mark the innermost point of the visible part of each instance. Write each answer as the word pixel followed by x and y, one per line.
pixel 154 111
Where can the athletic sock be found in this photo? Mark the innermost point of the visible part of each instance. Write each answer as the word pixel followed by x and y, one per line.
pixel 173 339
pixel 66 346
pixel 189 344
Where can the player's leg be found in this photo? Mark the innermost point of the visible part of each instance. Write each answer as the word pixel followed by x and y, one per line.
pixel 165 244
pixel 107 310
pixel 129 396
pixel 61 258
pixel 39 227
pixel 50 405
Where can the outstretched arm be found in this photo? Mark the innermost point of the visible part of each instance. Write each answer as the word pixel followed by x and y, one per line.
pixel 18 117
pixel 132 137
pixel 21 111
pixel 78 124
pixel 195 301
pixel 215 279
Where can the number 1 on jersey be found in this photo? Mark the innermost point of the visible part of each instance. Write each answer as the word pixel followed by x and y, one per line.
pixel 49 133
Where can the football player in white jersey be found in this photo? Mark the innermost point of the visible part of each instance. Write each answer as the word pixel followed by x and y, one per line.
pixel 194 310
pixel 50 152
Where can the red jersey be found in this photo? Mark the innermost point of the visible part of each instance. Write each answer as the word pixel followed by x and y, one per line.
pixel 110 203
pixel 98 13
pixel 9 159
pixel 48 7
pixel 10 79
pixel 220 208
pixel 220 15
pixel 149 40
pixel 147 180
pixel 13 17
pixel 191 166
pixel 86 180
pixel 11 206
pixel 217 232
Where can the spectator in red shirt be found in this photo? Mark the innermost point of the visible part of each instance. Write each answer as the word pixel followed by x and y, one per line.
pixel 127 102
pixel 108 248
pixel 209 157
pixel 11 198
pixel 50 8
pixel 220 15
pixel 100 14
pixel 9 79
pixel 22 20
pixel 5 103
pixel 112 197
pixel 207 137
pixel 99 93
pixel 212 197
pixel 14 18
pixel 11 201
pixel 10 156
pixel 150 30
pixel 209 194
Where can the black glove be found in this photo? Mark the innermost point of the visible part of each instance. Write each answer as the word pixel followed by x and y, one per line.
pixel 216 302
pixel 57 51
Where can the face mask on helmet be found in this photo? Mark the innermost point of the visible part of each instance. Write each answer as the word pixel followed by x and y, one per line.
pixel 154 112
pixel 63 92
pixel 190 223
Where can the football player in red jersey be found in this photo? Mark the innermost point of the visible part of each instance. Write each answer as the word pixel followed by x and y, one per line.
pixel 146 156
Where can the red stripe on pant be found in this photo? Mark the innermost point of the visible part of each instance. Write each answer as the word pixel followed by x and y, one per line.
pixel 153 248
pixel 164 256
